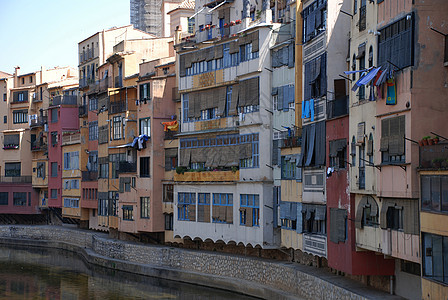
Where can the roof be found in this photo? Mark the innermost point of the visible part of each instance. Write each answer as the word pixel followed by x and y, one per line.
pixel 186 4
pixel 4 74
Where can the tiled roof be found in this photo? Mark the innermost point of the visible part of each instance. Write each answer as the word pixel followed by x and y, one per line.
pixel 187 4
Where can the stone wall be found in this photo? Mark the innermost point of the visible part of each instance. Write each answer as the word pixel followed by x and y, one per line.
pixel 256 277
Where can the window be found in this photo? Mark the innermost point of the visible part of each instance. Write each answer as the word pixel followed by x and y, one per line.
pixel 71 160
pixel 4 97
pixel 168 193
pixel 204 207
pixel 338 153
pixel 222 210
pixel 190 25
pixel 145 126
pixel 54 169
pixel 253 161
pixel 23 80
pixel 370 215
pixel 169 221
pixel 394 217
pixel 288 215
pixel 11 141
pixel 389 49
pixel 40 170
pixel 53 193
pixel 246 53
pixel 92 163
pixel 170 159
pixel 249 210
pixel 12 169
pixel 19 198
pixel 315 77
pixel 434 193
pixel 145 92
pixel 128 212
pixel 362 168
pixel 104 171
pixel 71 202
pixel 54 138
pixel 54 115
pixel 3 198
pixel 435 257
pixel 185 108
pixel 20 116
pixel 314 219
pixel 314 20
pixel 144 167
pixel 353 151
pixel 93 104
pixel 116 128
pixel 392 140
pixel 362 15
pixel 186 207
pixel 93 130
pixel 362 66
pixel 288 167
pixel 144 207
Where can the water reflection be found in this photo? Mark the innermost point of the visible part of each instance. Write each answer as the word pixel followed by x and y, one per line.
pixel 37 273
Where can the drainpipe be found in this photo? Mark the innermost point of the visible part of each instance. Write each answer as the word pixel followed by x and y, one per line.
pixel 391 284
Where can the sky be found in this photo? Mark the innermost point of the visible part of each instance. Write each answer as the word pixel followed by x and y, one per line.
pixel 46 33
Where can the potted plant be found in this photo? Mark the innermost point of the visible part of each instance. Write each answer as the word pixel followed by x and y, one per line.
pixel 425 140
pixel 232 23
pixel 238 22
pixel 436 139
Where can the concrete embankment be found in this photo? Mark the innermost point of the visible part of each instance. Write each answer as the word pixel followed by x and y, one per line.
pixel 247 275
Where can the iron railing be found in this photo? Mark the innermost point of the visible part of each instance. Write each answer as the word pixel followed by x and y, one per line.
pixel 65 99
pixel 127 167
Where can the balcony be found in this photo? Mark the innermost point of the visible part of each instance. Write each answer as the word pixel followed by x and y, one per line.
pixel 208 176
pixel 89 175
pixel 39 121
pixel 127 167
pixel 103 84
pixel 64 100
pixel 10 146
pixel 72 138
pixel 337 107
pixel 434 157
pixel 82 82
pixel 117 107
pixel 15 179
pixel 83 110
pixel 315 244
pixel 293 139
pixel 38 146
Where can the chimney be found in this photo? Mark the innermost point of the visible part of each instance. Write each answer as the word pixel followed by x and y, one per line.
pixel 16 74
pixel 177 34
pixel 42 74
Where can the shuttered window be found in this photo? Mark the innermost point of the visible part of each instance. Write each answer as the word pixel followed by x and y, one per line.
pixel 186 207
pixel 204 207
pixel 249 210
pixel 395 43
pixel 338 225
pixel 315 77
pixel 392 140
pixel 314 20
pixel 222 210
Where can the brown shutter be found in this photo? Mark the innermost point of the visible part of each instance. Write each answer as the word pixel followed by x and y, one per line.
pixel 218 51
pixel 249 216
pixel 255 41
pixel 242 93
pixel 187 60
pixel 206 213
pixel 229 214
pixel 235 99
pixel 333 225
pixel 234 47
pixel 197 105
pixel 245 151
pixel 210 54
pixel 181 67
pixel 185 155
pixel 253 90
pixel 192 212
pixel 221 98
pixel 215 212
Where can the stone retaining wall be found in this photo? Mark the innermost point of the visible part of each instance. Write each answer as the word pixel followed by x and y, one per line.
pixel 252 276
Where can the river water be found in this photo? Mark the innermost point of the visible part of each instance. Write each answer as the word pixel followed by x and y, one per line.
pixel 38 273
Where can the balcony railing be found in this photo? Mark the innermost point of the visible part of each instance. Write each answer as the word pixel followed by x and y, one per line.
pixel 337 107
pixel 89 175
pixel 434 156
pixel 65 99
pixel 83 110
pixel 117 107
pixel 292 139
pixel 37 146
pixel 68 139
pixel 15 179
pixel 127 167
pixel 315 244
pixel 40 121
pixel 103 84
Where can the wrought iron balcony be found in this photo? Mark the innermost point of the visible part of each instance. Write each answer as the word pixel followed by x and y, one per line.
pixel 103 84
pixel 337 107
pixel 127 167
pixel 89 175
pixel 293 138
pixel 434 156
pixel 40 121
pixel 117 107
pixel 38 146
pixel 65 99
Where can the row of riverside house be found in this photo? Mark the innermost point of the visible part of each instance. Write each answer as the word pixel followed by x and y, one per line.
pixel 308 130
